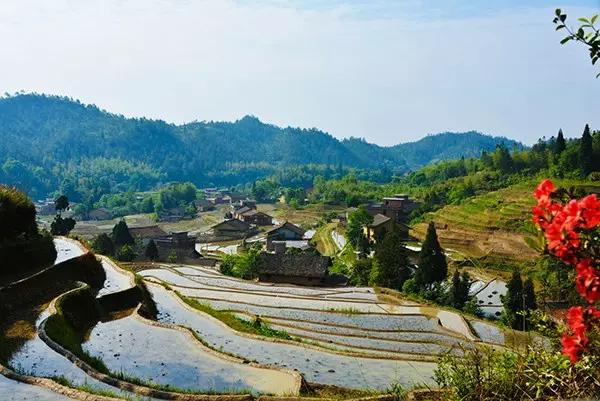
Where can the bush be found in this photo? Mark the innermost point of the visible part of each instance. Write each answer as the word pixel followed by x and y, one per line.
pixel 126 253
pixel 537 374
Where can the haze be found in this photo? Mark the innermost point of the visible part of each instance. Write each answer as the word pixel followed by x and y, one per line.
pixel 388 71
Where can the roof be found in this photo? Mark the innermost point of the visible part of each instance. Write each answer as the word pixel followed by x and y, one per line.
pixel 243 210
pixel 202 202
pixel 379 219
pixel 147 231
pixel 233 224
pixel 298 265
pixel 287 225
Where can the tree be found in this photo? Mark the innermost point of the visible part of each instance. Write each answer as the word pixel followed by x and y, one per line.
pixel 502 159
pixel 560 144
pixel 432 260
pixel 513 302
pixel 121 235
pixel 390 268
pixel 529 299
pixel 60 226
pixel 356 222
pixel 459 291
pixel 103 244
pixel 126 253
pixel 586 152
pixel 360 271
pixel 151 251
pixel 61 203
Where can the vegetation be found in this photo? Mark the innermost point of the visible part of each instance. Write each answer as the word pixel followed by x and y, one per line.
pixel 54 142
pixel 23 247
pixel 244 265
pixel 432 261
pixel 257 327
pixel 518 302
pixel 587 34
pixel 151 251
pixel 390 264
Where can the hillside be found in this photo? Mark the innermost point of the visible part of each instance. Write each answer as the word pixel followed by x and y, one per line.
pixel 51 142
pixel 492 227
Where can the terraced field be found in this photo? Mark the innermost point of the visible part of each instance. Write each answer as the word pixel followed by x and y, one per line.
pixel 345 337
pixel 493 224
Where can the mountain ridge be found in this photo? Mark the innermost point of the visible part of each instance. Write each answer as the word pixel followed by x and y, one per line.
pixel 52 137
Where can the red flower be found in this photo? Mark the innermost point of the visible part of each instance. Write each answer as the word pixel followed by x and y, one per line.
pixel 577 320
pixel 588 281
pixel 573 346
pixel 545 189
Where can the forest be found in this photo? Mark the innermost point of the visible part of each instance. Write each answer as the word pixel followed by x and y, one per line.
pixel 57 145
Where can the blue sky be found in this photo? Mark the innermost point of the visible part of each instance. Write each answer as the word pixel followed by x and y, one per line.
pixel 388 71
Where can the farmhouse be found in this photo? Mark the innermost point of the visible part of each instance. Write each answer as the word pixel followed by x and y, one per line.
pixel 232 228
pixel 46 206
pixel 305 268
pixel 146 233
pixel 180 244
pixel 238 213
pixel 258 218
pixel 203 205
pixel 288 232
pixel 380 226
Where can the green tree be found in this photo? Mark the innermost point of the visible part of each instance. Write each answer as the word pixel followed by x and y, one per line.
pixel 60 226
pixel 459 290
pixel 121 235
pixel 61 203
pixel 356 222
pixel 432 260
pixel 502 159
pixel 586 152
pixel 513 302
pixel 360 271
pixel 391 267
pixel 126 253
pixel 103 244
pixel 529 298
pixel 151 251
pixel 560 144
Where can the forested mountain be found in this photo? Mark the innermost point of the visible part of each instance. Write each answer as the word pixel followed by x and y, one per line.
pixel 54 143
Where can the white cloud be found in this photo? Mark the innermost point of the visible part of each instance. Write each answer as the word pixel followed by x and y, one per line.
pixel 346 68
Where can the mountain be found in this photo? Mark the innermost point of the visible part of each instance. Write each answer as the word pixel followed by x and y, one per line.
pixel 51 142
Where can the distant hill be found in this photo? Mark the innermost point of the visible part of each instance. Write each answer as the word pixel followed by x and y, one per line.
pixel 50 142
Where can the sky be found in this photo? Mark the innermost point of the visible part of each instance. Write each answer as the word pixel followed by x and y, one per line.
pixel 387 71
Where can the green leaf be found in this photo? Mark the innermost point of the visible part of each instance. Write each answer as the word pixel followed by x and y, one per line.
pixel 594 18
pixel 558 12
pixel 584 20
pixel 565 40
pixel 563 17
pixel 560 27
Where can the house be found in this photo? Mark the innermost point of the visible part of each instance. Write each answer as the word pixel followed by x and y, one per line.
pixel 45 207
pixel 99 214
pixel 253 216
pixel 203 205
pixel 179 243
pixel 237 213
pixel 235 198
pixel 147 233
pixel 232 228
pixel 173 214
pixel 380 226
pixel 286 232
pixel 217 200
pixel 304 268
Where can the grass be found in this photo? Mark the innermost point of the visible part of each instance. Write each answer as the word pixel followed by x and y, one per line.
pixel 87 388
pixel 324 243
pixel 345 311
pixel 234 322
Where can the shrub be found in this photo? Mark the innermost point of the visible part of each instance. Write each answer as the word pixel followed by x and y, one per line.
pixel 485 374
pixel 126 253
